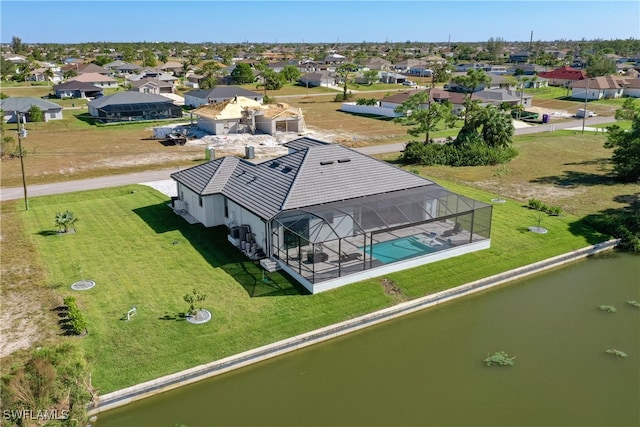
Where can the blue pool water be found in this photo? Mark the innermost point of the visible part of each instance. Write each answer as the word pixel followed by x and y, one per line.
pixel 399 249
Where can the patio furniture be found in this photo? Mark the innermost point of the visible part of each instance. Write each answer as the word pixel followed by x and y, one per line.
pixel 314 257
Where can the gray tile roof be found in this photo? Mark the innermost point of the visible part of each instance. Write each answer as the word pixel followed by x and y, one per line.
pixel 23 104
pixel 222 92
pixel 128 97
pixel 319 173
pixel 74 85
pixel 304 143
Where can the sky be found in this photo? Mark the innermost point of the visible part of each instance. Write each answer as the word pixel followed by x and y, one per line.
pixel 309 21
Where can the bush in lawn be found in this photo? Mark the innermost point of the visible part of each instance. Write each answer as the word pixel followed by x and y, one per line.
pixel 535 204
pixel 76 319
pixel 340 97
pixel 367 101
pixel 543 207
pixel 472 153
pixel 194 299
pixel 65 220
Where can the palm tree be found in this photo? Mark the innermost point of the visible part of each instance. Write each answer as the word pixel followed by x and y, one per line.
pixel 65 220
pixel 48 74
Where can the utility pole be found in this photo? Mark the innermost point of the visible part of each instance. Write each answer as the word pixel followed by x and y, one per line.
pixel 586 97
pixel 22 133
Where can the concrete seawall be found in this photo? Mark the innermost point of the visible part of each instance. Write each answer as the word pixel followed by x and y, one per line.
pixel 168 382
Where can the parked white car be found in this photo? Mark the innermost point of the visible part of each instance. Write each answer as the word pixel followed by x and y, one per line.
pixel 408 83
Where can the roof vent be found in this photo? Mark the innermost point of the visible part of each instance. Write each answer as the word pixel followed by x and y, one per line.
pixel 286 169
pixel 329 162
pixel 344 160
pixel 274 165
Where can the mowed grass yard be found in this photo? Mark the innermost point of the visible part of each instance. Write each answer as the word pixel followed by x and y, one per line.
pixel 563 168
pixel 141 254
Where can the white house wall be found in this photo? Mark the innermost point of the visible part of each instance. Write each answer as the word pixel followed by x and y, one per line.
pixel 217 127
pixel 633 93
pixel 265 125
pixel 192 101
pixel 582 92
pixel 240 216
pixel 192 199
pixel 352 107
pixel 52 115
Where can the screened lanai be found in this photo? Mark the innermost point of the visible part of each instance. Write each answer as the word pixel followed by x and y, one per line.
pixel 140 111
pixel 332 240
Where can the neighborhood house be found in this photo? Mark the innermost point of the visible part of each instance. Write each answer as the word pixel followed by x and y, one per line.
pixel 130 106
pixel 329 215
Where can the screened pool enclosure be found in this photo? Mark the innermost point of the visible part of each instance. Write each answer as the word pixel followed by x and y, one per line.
pixel 333 240
pixel 138 111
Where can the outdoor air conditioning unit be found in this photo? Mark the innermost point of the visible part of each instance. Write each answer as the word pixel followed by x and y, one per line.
pixel 179 206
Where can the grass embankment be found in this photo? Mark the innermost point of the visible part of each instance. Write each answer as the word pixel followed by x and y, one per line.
pixel 141 254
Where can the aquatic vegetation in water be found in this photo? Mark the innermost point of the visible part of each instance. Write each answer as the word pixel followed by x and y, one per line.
pixel 608 308
pixel 616 352
pixel 499 358
pixel 634 303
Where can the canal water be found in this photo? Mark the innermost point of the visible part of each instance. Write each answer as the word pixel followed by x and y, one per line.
pixel 427 369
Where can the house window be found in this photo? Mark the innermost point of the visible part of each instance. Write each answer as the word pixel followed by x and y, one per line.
pixel 200 200
pixel 226 208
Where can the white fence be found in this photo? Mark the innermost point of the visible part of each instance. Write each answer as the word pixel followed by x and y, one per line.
pixel 351 107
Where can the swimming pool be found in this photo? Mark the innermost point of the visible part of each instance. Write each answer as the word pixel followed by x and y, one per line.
pixel 399 249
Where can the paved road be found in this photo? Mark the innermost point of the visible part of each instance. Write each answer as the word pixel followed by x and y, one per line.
pixel 12 193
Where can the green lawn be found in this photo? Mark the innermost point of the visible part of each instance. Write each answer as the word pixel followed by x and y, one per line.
pixel 141 254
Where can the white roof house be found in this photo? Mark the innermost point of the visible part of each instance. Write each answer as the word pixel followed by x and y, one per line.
pixel 329 215
pixel 96 79
pixel 20 106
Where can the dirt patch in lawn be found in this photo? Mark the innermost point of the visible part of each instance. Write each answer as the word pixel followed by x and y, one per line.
pixel 25 308
pixel 392 289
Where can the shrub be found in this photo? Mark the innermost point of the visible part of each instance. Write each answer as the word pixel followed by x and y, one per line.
pixel 51 378
pixel 195 300
pixel 623 224
pixel 473 153
pixel 367 101
pixel 76 319
pixel 536 205
pixel 65 220
pixel 554 210
pixel 341 98
pixel 543 207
